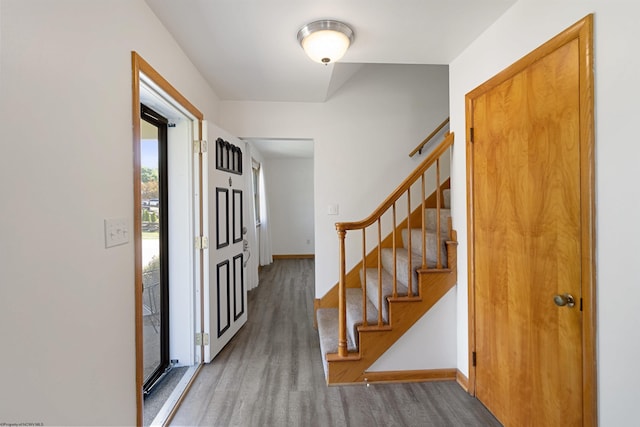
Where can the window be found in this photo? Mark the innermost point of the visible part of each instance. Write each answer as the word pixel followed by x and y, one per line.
pixel 255 175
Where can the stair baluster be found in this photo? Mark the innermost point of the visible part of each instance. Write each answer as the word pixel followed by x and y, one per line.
pixel 342 299
pixel 438 194
pixel 379 271
pixel 364 277
pixel 409 252
pixel 395 266
pixel 423 206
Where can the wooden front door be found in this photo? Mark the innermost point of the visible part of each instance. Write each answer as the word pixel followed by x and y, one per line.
pixel 531 231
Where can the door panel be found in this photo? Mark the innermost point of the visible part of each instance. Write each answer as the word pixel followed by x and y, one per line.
pixel 222 298
pixel 238 286
pixel 237 216
pixel 227 294
pixel 526 241
pixel 222 217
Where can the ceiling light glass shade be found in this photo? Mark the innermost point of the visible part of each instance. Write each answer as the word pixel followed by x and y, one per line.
pixel 325 41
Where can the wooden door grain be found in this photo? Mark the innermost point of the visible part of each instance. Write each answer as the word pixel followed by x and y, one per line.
pixel 526 234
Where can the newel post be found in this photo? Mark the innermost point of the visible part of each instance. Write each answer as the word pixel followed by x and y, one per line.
pixel 342 297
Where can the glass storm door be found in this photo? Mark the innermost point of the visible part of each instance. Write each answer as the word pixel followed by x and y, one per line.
pixel 155 277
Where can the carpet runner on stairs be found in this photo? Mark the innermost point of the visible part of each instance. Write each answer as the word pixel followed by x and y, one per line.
pixel 327 318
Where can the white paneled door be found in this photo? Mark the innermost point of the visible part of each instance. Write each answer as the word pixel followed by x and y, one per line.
pixel 225 289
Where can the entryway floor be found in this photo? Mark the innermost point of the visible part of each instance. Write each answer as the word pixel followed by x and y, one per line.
pixel 270 373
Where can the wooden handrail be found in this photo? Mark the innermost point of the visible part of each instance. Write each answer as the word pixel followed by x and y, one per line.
pixel 402 188
pixel 418 149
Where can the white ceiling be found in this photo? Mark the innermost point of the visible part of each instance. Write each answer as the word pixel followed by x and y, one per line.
pixel 247 49
pixel 283 148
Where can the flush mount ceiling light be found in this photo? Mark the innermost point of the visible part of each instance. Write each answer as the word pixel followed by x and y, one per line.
pixel 325 41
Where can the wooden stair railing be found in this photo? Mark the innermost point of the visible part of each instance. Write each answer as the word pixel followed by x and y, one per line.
pixel 405 188
pixel 420 146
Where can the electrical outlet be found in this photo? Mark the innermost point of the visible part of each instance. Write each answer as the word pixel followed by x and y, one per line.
pixel 116 232
pixel 332 209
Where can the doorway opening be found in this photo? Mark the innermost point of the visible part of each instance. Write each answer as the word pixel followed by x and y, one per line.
pixel 167 216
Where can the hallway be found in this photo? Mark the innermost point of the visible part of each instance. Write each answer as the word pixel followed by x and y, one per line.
pixel 271 374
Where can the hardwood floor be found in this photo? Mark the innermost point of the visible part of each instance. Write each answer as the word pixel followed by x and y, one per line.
pixel 270 373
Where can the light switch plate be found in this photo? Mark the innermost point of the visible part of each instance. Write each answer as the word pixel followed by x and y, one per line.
pixel 332 209
pixel 116 232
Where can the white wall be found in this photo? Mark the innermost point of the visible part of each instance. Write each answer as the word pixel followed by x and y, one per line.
pixel 363 135
pixel 66 302
pixel 528 24
pixel 429 344
pixel 289 185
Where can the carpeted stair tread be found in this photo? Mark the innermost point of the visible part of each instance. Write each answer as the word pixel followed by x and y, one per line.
pixel 354 313
pixel 416 246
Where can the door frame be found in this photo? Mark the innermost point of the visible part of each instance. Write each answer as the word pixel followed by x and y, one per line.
pixel 140 66
pixel 583 32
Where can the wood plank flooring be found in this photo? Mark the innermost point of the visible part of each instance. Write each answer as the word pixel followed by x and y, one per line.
pixel 270 373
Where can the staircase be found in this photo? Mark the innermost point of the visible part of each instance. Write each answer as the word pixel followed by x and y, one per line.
pixel 395 283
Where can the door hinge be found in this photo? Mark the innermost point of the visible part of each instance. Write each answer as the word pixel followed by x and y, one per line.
pixel 471 134
pixel 202 338
pixel 202 242
pixel 473 359
pixel 200 147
